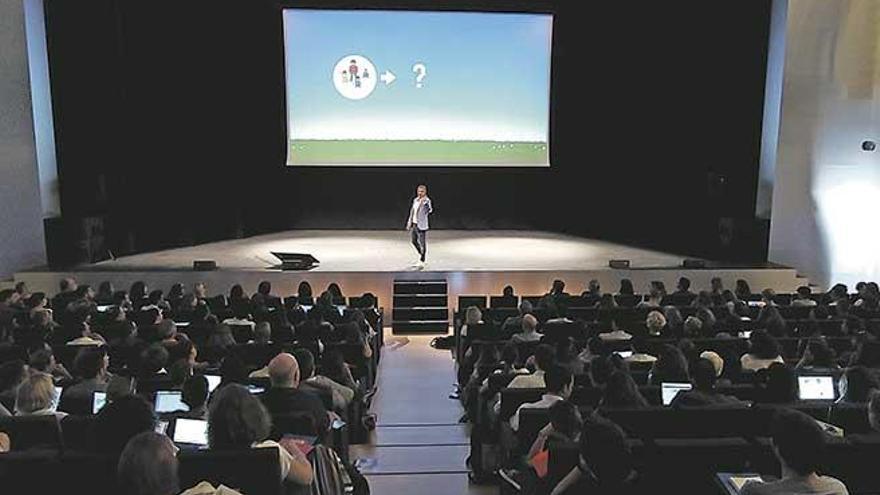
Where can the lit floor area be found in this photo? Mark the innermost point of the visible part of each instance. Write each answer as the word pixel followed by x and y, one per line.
pixel 418 445
pixel 391 251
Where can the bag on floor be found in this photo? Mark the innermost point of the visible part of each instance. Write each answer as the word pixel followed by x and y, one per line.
pixel 444 343
pixel 330 475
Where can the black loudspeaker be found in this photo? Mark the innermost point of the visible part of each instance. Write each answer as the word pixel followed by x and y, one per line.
pixel 693 263
pixel 296 261
pixel 204 265
pixel 619 264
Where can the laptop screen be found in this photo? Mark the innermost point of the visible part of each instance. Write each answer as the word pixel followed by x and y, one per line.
pixel 168 401
pixel 98 401
pixel 816 387
pixel 213 382
pixel 670 390
pixel 191 431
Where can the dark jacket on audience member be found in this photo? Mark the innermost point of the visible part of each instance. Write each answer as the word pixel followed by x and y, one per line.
pixel 692 398
pixel 281 401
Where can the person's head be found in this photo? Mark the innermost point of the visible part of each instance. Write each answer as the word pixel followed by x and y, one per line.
pixel 421 190
pixel 12 373
pixel 510 354
pixel 166 330
pixel 200 290
pixel 334 289
pixel 703 375
pixel 684 284
pixel 21 288
pixel 138 291
pixel 156 297
pixel 742 289
pixel 236 292
pixel 671 365
pixel 655 321
pixel 304 289
pixel 798 441
pixel 626 287
pixel 148 466
pixel 195 392
pixel 472 315
pixel 41 318
pixel 768 295
pixel 716 360
pixel 545 356
pixel 153 359
pixel 529 324
pixel 621 391
pixel 565 418
pixel 658 288
pixel 306 361
pixel 284 371
pixel 233 370
pixel 558 287
pixel 525 307
pixel 179 371
pixel 821 355
pixel 176 291
pixel 236 419
pixel 67 284
pixel 263 332
pixel 593 286
pixel 120 420
pixel 874 410
pixel 37 300
pixel 507 291
pixel 782 386
pixel 693 326
pixel 717 285
pixel 673 316
pixel 264 288
pixel 559 381
pixel 42 359
pixel 604 452
pixel 8 296
pixel 762 345
pixel 91 362
pixel 36 393
pixel 804 292
pixel 857 383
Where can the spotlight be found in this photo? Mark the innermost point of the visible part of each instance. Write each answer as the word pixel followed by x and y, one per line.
pixel 869 146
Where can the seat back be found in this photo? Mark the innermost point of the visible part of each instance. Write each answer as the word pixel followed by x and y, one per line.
pixel 512 398
pixel 33 470
pixel 76 431
pixel 298 423
pixel 531 420
pixel 256 355
pixel 250 471
pixel 853 418
pixel 32 432
pixel 465 302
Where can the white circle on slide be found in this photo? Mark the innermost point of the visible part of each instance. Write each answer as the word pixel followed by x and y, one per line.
pixel 354 77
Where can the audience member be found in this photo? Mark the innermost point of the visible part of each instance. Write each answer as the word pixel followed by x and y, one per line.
pixel 560 383
pixel 342 395
pixel 670 366
pixel 564 428
pixel 148 466
pixel 195 395
pixel 544 357
pixel 90 366
pixel 763 351
pixel 285 397
pixel 703 393
pixel 621 391
pixel 605 466
pixel 119 420
pixel 780 385
pixel 856 384
pixel 799 444
pixel 36 396
pixel 655 322
pixel 237 420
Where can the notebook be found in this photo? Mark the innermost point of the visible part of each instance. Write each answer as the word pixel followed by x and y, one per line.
pixel 168 401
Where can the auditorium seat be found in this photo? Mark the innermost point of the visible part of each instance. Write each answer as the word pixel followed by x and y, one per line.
pixel 29 469
pixel 853 418
pixel 76 431
pixel 251 471
pixel 512 398
pixel 32 432
pixel 465 302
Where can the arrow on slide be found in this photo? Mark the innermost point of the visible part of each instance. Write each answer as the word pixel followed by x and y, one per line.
pixel 388 77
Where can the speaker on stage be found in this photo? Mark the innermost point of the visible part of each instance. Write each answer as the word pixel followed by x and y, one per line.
pixel 619 264
pixel 296 261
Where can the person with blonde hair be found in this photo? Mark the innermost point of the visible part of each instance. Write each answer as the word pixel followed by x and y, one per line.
pixel 655 322
pixel 472 316
pixel 529 330
pixel 36 397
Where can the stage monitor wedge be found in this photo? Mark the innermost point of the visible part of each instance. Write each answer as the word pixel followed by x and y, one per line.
pixel 296 261
pixel 417 88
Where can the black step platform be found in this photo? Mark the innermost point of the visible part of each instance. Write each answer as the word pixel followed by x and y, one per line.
pixel 420 306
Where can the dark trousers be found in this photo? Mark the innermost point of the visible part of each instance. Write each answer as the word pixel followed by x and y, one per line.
pixel 420 241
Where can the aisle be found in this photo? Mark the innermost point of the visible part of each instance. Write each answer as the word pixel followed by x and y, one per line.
pixel 418 445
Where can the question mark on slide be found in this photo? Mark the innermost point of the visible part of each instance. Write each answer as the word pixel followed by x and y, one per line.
pixel 421 71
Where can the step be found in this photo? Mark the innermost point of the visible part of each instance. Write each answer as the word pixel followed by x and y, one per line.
pixel 420 313
pixel 421 300
pixel 420 287
pixel 420 326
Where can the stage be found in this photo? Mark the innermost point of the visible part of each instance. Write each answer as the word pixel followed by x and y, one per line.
pixel 471 261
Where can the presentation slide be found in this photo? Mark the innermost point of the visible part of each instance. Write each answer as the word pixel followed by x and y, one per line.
pixel 405 88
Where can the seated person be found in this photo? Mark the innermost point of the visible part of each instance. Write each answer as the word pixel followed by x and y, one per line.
pixel 564 428
pixel 43 360
pixel 237 420
pixel 528 333
pixel 285 396
pixel 655 322
pixel 334 367
pixel 856 385
pixel 36 397
pixel 764 350
pixel 262 333
pixel 560 383
pixel 670 366
pixel 640 351
pixel 704 393
pixel 718 363
pixel 874 411
pixel 148 466
pixel 803 297
pixel 621 391
pixel 120 420
pixel 605 463
pixel 195 396
pixel 91 367
pixel 342 395
pixel 780 385
pixel 544 357
pixel 798 442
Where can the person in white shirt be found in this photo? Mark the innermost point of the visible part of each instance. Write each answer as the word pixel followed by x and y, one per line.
pixel 799 444
pixel 560 383
pixel 803 297
pixel 544 357
pixel 763 351
pixel 529 330
pixel 417 221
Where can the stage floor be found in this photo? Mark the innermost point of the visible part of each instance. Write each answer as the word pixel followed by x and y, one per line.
pixel 391 251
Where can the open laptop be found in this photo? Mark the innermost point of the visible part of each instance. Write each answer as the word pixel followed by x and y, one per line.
pixel 98 400
pixel 169 401
pixel 213 382
pixel 624 354
pixel 816 387
pixel 668 391
pixel 191 432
